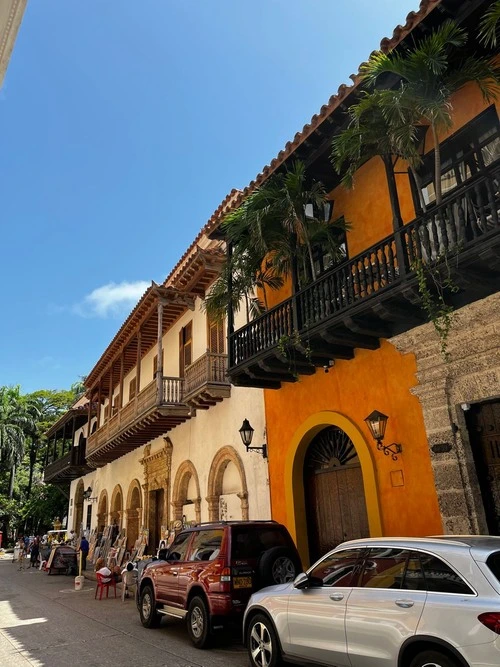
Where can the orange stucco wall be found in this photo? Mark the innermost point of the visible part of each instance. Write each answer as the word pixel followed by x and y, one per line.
pixel 379 379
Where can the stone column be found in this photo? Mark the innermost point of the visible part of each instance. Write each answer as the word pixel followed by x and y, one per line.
pixel 213 508
pixel 244 505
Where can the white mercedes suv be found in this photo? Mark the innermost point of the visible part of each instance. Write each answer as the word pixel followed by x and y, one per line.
pixel 385 602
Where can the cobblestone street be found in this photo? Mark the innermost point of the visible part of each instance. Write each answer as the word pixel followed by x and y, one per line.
pixel 44 621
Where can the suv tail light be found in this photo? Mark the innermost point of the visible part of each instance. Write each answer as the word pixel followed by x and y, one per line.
pixel 491 620
pixel 225 575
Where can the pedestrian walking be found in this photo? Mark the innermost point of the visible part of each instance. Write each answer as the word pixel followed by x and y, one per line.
pixel 35 552
pixel 84 548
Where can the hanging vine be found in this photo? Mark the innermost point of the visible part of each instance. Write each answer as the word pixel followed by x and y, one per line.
pixel 435 283
pixel 289 346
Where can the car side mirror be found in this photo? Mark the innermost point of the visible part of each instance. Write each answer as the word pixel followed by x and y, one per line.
pixel 301 581
pixel 163 554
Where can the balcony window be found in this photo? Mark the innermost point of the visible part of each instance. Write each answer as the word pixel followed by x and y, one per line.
pixel 132 388
pixel 464 155
pixel 216 337
pixel 185 348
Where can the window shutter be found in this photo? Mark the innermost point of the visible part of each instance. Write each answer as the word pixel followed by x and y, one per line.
pixel 216 337
pixel 155 365
pixel 181 353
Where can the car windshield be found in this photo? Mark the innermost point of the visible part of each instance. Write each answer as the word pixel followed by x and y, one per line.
pixel 493 562
pixel 252 541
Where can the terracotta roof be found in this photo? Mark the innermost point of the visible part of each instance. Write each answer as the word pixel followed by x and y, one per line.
pixel 235 197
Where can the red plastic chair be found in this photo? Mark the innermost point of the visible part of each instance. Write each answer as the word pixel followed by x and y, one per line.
pixel 101 584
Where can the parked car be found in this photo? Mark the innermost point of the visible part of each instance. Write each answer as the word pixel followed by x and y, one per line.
pixel 432 602
pixel 209 572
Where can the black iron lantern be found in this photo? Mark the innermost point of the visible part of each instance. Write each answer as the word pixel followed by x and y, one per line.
pixel 246 433
pixel 87 494
pixel 377 423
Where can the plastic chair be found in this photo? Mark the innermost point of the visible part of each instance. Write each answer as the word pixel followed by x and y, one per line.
pixel 129 581
pixel 101 584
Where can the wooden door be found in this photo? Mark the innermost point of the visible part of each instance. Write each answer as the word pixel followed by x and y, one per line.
pixel 185 348
pixel 483 421
pixel 335 499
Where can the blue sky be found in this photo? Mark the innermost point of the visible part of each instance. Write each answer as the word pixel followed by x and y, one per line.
pixel 121 131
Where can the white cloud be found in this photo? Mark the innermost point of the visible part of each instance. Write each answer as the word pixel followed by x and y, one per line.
pixel 48 362
pixel 111 299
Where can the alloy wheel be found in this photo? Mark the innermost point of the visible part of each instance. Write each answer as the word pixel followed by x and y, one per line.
pixel 283 570
pixel 261 647
pixel 197 622
pixel 146 606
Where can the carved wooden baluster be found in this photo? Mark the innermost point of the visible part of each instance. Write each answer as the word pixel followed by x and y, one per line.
pixel 492 203
pixel 443 223
pixel 480 207
pixel 376 269
pixel 434 236
pixel 452 227
pixel 425 250
pixel 370 275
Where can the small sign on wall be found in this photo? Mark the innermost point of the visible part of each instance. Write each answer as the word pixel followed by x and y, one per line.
pixel 397 478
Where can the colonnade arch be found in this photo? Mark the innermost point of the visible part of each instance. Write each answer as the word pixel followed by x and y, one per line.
pixel 134 512
pixel 224 458
pixel 116 508
pixel 102 511
pixel 78 508
pixel 186 491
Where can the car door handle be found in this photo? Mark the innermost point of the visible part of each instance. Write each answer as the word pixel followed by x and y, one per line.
pixel 406 604
pixel 337 597
pixel 174 573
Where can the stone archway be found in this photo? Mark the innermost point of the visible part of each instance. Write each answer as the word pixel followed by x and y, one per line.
pixel 78 508
pixel 225 457
pixel 102 511
pixel 294 475
pixel 116 507
pixel 185 479
pixel 134 513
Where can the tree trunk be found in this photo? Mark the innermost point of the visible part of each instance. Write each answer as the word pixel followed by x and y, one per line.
pixel 32 457
pixel 310 253
pixel 418 183
pixel 393 192
pixel 11 480
pixel 437 166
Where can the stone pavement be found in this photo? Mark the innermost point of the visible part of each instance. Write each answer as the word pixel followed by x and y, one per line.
pixel 45 622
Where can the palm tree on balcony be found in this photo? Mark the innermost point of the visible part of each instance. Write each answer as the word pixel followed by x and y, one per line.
pixel 489 25
pixel 370 134
pixel 274 229
pixel 430 74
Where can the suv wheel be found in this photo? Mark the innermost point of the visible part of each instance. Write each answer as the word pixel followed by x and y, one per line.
pixel 277 566
pixel 150 618
pixel 198 622
pixel 433 659
pixel 262 643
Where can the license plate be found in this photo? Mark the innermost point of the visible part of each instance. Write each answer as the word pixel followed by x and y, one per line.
pixel 242 582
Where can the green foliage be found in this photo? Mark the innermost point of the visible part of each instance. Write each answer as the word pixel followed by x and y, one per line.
pixel 435 282
pixel 18 415
pixel 489 25
pixel 288 347
pixel 45 504
pixel 430 74
pixel 277 225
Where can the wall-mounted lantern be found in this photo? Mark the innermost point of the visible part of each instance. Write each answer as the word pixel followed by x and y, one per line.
pixel 377 423
pixel 87 495
pixel 246 433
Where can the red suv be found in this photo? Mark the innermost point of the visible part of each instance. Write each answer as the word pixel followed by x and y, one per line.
pixel 210 571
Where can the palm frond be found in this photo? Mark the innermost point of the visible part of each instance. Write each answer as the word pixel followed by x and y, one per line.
pixel 489 25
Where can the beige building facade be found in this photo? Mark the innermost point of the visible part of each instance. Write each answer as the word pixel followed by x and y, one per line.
pixel 11 15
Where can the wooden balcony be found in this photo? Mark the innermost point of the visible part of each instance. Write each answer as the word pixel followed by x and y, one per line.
pixel 67 468
pixel 375 294
pixel 206 381
pixel 154 411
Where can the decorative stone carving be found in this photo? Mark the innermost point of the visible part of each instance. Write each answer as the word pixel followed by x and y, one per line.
pixel 157 472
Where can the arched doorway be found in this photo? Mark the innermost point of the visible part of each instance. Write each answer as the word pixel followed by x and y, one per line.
pixel 134 506
pixel 227 487
pixel 294 475
pixel 116 506
pixel 102 511
pixel 78 509
pixel 186 500
pixel 334 493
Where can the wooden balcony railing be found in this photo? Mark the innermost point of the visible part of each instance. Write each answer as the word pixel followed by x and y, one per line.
pixel 466 220
pixel 172 393
pixel 210 368
pixel 57 467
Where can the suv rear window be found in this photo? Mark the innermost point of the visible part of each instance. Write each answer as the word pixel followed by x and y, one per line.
pixel 252 541
pixel 493 562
